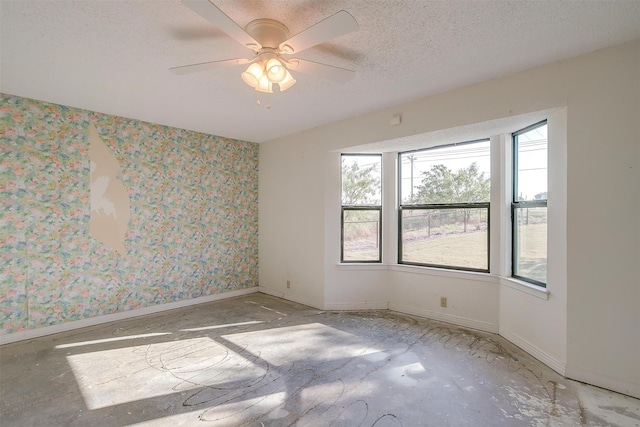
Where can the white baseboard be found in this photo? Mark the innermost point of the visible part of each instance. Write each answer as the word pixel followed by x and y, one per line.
pixel 449 318
pixel 550 361
pixel 599 380
pixel 365 305
pixel 291 296
pixel 92 321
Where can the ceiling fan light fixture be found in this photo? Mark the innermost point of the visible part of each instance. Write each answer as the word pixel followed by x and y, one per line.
pixel 264 85
pixel 287 82
pixel 253 74
pixel 275 71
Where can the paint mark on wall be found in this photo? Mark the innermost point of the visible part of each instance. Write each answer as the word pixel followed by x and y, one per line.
pixel 109 197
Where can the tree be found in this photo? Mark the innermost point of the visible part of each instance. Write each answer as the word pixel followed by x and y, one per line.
pixel 360 186
pixel 440 185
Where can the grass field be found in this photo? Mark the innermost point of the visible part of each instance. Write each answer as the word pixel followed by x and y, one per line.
pixel 468 250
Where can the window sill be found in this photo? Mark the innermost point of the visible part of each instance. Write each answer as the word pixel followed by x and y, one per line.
pixel 362 266
pixel 443 272
pixel 415 269
pixel 527 288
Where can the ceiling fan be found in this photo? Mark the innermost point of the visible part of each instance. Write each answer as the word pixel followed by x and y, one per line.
pixel 270 41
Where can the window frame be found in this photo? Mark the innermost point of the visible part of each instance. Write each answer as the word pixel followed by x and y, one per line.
pixel 440 206
pixel 523 204
pixel 363 207
pixel 379 231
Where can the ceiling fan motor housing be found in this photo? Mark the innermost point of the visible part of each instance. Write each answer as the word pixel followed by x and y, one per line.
pixel 268 32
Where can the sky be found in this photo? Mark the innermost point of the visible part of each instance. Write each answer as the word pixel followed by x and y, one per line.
pixel 532 162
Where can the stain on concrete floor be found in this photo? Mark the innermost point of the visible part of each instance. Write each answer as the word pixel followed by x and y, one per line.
pixel 262 361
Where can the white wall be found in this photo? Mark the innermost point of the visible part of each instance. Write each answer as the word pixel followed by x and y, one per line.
pixel 589 321
pixel 472 299
pixel 603 244
pixel 291 205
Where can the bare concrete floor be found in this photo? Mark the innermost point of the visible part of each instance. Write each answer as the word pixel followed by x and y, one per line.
pixel 262 361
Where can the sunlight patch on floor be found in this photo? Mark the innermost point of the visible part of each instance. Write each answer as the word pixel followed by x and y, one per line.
pixel 108 340
pixel 229 325
pixel 313 341
pixel 127 374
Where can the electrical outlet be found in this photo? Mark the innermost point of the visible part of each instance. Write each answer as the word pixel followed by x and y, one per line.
pixel 443 301
pixel 288 284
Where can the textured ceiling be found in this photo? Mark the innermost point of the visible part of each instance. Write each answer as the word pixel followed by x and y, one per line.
pixel 113 56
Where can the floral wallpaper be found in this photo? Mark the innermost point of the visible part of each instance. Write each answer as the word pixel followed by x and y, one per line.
pixel 193 229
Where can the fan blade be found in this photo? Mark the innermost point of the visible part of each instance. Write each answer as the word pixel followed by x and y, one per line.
pixel 328 72
pixel 325 30
pixel 206 66
pixel 213 14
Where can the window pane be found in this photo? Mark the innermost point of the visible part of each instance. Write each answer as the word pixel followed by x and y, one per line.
pixel 530 245
pixel 531 183
pixel 361 180
pixel 361 235
pixel 457 173
pixel 446 237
